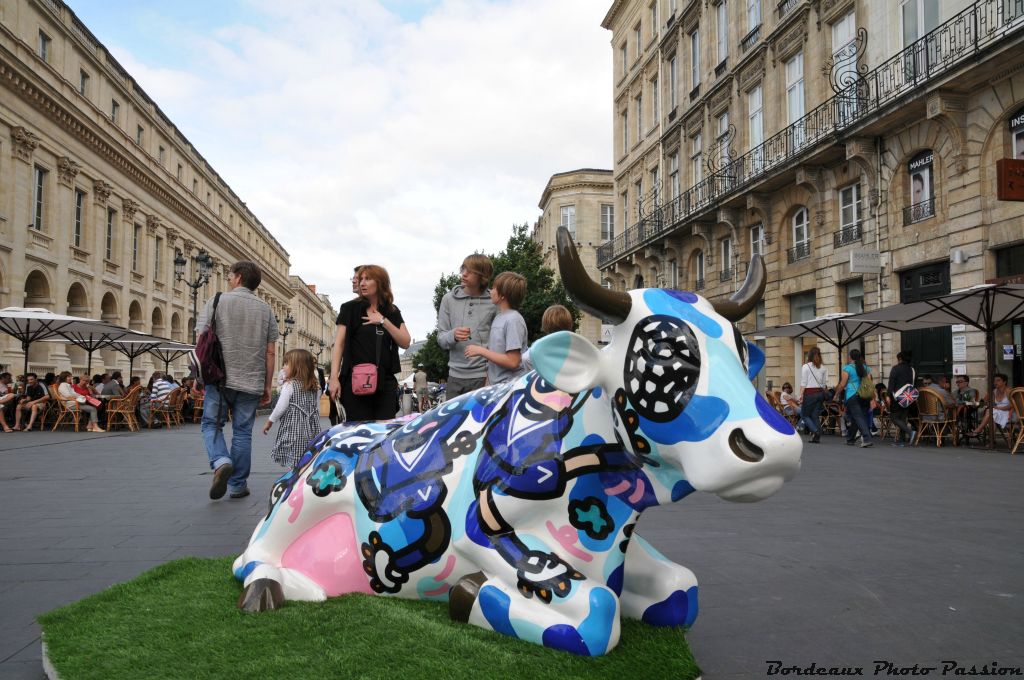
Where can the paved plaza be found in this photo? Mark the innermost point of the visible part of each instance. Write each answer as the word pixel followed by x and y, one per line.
pixel 906 556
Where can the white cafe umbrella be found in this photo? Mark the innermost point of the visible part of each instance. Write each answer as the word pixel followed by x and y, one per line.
pixel 30 325
pixel 984 307
pixel 169 351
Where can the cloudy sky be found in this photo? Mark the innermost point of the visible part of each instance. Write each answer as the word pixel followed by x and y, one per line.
pixel 407 133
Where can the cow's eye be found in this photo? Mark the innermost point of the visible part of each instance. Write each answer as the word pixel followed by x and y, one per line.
pixel 741 347
pixel 662 367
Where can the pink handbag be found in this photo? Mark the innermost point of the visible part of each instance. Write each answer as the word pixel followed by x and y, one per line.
pixel 364 376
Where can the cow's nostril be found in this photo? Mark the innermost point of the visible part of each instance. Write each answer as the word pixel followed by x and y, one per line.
pixel 744 448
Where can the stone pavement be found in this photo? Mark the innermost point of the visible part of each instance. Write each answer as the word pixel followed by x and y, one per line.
pixel 911 556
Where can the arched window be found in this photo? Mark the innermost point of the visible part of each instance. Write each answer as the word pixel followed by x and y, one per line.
pixel 801 236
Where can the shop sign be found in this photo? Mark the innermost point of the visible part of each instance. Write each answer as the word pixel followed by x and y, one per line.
pixel 1010 179
pixel 865 262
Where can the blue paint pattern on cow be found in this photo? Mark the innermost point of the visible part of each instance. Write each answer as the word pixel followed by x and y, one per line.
pixel 660 302
pixel 755 360
pixel 243 573
pixel 615 580
pixel 699 421
pixel 684 295
pixel 596 629
pixel 678 609
pixel 566 638
pixel 495 605
pixel 772 417
pixel 681 490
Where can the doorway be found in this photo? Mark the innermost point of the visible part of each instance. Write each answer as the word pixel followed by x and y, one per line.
pixel 932 347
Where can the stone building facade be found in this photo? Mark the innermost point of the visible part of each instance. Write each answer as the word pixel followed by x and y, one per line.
pixel 100 192
pixel 583 201
pixel 853 144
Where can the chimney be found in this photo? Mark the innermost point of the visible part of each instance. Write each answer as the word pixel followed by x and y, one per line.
pixel 312 287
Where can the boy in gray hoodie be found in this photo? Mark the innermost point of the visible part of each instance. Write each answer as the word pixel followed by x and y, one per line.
pixel 465 318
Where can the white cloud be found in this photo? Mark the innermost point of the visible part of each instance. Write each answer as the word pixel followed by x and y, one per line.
pixel 355 137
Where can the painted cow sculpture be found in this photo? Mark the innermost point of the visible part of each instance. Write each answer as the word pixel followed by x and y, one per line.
pixel 516 503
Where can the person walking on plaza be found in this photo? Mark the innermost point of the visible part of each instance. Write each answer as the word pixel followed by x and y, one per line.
pixel 813 381
pixel 856 374
pixel 465 315
pixel 508 341
pixel 421 383
pixel 369 334
pixel 297 410
pixel 247 332
pixel 899 375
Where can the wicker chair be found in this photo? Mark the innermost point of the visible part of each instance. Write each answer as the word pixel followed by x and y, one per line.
pixel 66 409
pixel 1017 404
pixel 883 420
pixel 936 420
pixel 123 408
pixel 177 404
pixel 165 409
pixel 197 408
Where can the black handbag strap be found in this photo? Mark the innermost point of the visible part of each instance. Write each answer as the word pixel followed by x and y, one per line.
pixel 380 337
pixel 213 315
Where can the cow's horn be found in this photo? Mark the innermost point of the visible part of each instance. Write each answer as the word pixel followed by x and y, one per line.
pixel 747 297
pixel 612 306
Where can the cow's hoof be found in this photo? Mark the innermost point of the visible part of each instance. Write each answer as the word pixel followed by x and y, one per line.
pixel 261 595
pixel 463 594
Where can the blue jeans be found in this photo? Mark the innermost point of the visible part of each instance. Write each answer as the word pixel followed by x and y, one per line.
pixel 243 415
pixel 857 409
pixel 810 411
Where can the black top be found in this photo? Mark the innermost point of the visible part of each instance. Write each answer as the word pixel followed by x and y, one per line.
pixel 900 375
pixel 361 338
pixel 34 392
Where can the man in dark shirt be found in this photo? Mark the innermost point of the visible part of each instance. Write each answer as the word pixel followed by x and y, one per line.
pixel 33 401
pixel 900 375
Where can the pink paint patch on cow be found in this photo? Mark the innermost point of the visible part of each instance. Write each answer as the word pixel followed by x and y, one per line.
pixel 329 554
pixel 295 502
pixel 448 567
pixel 618 488
pixel 639 493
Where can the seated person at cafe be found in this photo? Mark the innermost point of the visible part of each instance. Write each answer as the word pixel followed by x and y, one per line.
pixel 113 387
pixel 1001 409
pixel 8 400
pixel 964 392
pixel 32 402
pixel 73 394
pixel 82 386
pixel 161 388
pixel 790 404
pixel 942 388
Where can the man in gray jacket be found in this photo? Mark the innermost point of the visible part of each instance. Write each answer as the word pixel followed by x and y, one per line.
pixel 247 331
pixel 465 318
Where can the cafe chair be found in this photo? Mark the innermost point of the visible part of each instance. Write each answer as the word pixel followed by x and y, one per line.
pixel 66 409
pixel 1017 423
pixel 121 410
pixel 935 420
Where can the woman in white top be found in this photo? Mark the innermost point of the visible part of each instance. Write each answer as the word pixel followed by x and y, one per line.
pixel 67 392
pixel 1001 410
pixel 813 383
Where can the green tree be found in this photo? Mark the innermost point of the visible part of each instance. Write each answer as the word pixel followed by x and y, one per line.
pixel 523 255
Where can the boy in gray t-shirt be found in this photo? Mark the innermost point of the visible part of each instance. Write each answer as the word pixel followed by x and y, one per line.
pixel 508 339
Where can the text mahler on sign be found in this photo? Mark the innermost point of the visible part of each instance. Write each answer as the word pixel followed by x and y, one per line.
pixel 865 262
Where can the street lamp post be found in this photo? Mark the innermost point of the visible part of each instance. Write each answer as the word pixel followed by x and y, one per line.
pixel 289 326
pixel 319 348
pixel 202 263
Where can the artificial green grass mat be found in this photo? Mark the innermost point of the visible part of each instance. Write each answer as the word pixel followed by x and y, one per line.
pixel 179 621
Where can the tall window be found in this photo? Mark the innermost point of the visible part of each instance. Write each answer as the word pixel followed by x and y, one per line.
pixel 918 18
pixel 195 186
pixel 625 209
pixel 698 268
pixel 38 198
pixel 801 235
pixel 694 60
pixel 639 188
pixel 624 58
pixel 76 235
pixel 673 175
pixel 568 219
pixel 638 40
pixel 673 83
pixel 180 171
pixel 139 131
pixel 843 33
pixel 795 94
pixel 44 46
pixel 656 181
pixel 802 307
pixel 753 14
pixel 726 258
pixel 673 273
pixel 83 83
pixel 158 247
pixel 755 116
pixel 607 221
pixel 654 17
pixel 723 130
pixel 696 162
pixel 849 207
pixel 722 32
pixel 136 238
pixel 109 241
pixel 655 103
pixel 757 239
pixel 161 155
pixel 625 130
pixel 114 109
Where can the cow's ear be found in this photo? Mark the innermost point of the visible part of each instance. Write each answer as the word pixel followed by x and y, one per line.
pixel 567 360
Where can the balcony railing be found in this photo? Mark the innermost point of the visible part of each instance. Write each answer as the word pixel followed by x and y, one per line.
pixel 919 211
pixel 750 39
pixel 800 251
pixel 726 275
pixel 957 41
pixel 786 6
pixel 698 284
pixel 849 234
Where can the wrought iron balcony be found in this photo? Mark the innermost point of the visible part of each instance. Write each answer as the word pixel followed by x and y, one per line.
pixel 957 41
pixel 851 233
pixel 726 275
pixel 800 251
pixel 786 6
pixel 750 39
pixel 919 211
pixel 698 284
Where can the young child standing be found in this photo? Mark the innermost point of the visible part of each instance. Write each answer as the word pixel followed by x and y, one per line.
pixel 508 340
pixel 297 409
